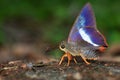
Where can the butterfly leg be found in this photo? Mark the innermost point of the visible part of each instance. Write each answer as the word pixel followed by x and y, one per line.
pixel 75 60
pixel 93 58
pixel 84 59
pixel 69 56
pixel 61 60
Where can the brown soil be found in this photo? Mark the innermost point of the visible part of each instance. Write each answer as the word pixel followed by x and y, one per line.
pixel 97 70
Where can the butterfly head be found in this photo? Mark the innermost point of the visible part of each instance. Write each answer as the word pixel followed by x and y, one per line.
pixel 66 47
pixel 62 46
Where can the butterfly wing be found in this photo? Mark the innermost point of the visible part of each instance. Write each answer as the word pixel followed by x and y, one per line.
pixel 84 29
pixel 92 36
pixel 85 18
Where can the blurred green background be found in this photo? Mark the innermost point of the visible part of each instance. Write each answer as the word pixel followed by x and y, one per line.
pixel 51 20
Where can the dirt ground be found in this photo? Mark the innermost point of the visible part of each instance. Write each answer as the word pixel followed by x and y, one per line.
pixel 18 65
pixel 97 70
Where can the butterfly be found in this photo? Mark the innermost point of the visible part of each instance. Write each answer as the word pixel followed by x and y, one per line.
pixel 84 39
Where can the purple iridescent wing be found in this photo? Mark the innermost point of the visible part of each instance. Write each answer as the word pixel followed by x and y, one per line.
pixel 85 18
pixel 92 36
pixel 84 29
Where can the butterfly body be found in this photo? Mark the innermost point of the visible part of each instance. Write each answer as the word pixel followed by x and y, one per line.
pixel 84 39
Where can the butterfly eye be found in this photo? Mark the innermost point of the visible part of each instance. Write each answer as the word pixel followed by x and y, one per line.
pixel 62 46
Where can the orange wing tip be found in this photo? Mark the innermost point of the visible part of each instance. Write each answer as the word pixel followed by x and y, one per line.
pixel 102 49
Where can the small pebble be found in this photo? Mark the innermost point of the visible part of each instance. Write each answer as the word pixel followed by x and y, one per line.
pixel 106 64
pixel 29 65
pixel 77 76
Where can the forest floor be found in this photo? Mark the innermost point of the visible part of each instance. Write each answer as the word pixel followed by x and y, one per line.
pixel 16 64
pixel 97 70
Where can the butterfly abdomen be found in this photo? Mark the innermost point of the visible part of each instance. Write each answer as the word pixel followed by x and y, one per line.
pixel 89 53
